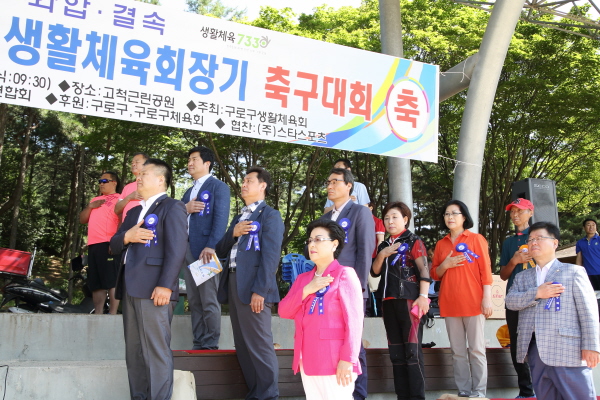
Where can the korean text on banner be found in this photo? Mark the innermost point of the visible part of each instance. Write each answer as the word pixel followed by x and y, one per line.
pixel 139 62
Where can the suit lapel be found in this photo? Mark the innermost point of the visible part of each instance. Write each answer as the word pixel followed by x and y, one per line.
pixel 346 211
pixel 553 271
pixel 153 206
pixel 187 195
pixel 205 185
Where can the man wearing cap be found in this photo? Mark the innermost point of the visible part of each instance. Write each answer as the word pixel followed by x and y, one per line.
pixel 512 261
pixel 588 252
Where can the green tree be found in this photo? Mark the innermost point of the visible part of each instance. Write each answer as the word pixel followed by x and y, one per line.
pixel 215 8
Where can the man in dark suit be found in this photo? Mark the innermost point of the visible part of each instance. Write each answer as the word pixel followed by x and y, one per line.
pixel 359 226
pixel 252 246
pixel 153 242
pixel 207 205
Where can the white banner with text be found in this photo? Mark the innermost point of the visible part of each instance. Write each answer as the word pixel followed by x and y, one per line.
pixel 139 62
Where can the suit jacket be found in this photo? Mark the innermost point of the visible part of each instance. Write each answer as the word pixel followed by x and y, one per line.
pixel 159 264
pixel 323 340
pixel 560 335
pixel 207 229
pixel 361 241
pixel 255 270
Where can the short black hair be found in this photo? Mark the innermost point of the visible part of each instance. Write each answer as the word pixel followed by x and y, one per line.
pixel 139 153
pixel 115 177
pixel 164 169
pixel 404 210
pixel 263 176
pixel 345 161
pixel 548 226
pixel 348 177
pixel 205 153
pixel 468 224
pixel 336 232
pixel 588 220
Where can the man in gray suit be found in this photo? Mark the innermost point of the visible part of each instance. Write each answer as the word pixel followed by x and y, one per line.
pixel 252 246
pixel 359 225
pixel 207 205
pixel 153 242
pixel 558 320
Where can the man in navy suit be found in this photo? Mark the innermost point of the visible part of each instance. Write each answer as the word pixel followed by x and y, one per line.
pixel 153 242
pixel 252 246
pixel 207 205
pixel 359 226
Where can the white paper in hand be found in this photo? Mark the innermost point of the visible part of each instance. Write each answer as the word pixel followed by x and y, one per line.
pixel 203 272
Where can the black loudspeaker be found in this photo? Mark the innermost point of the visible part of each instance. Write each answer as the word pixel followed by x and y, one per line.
pixel 542 193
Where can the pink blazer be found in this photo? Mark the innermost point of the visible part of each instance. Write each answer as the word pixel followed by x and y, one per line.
pixel 322 340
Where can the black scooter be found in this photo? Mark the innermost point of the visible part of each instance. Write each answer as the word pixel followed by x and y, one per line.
pixel 33 296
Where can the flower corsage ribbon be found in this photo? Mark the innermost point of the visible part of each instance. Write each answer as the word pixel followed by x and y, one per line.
pixel 402 250
pixel 555 300
pixel 150 221
pixel 205 197
pixel 254 229
pixel 319 299
pixel 525 249
pixel 463 248
pixel 345 224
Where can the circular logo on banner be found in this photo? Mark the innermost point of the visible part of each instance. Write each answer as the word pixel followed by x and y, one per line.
pixel 151 220
pixel 407 109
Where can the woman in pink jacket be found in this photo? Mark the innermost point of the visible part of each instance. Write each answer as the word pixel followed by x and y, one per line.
pixel 327 307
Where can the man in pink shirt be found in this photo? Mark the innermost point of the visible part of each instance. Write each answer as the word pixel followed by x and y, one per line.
pixel 102 225
pixel 129 197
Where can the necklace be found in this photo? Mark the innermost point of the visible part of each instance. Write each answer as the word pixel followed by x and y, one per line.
pixel 321 274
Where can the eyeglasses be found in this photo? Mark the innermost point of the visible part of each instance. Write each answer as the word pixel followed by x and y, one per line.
pixel 105 180
pixel 333 182
pixel 535 239
pixel 452 214
pixel 318 239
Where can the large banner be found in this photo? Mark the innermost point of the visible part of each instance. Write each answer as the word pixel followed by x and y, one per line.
pixel 135 61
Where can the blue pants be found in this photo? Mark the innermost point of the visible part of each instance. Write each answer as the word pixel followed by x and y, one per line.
pixel 559 383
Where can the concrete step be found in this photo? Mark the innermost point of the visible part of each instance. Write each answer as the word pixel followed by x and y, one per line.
pixel 60 380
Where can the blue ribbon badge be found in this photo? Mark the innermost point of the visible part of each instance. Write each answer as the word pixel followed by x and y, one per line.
pixel 205 198
pixel 555 300
pixel 463 248
pixel 345 224
pixel 254 228
pixel 150 221
pixel 402 250
pixel 319 298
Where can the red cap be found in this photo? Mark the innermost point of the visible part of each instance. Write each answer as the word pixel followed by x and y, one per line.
pixel 523 204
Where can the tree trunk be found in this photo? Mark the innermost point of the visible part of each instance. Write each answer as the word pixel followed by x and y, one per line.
pixel 3 121
pixel 21 179
pixel 72 236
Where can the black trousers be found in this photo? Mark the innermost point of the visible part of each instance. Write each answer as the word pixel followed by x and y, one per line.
pixel 522 369
pixel 406 354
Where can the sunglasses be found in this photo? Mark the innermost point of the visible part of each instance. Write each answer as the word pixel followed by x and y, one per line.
pixel 105 180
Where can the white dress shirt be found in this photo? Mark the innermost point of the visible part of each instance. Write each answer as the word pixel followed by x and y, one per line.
pixel 541 272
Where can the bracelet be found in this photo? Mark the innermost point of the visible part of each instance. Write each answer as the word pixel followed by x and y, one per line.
pixel 424 295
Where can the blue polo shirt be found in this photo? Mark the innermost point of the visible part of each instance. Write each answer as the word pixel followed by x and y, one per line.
pixel 509 247
pixel 590 251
